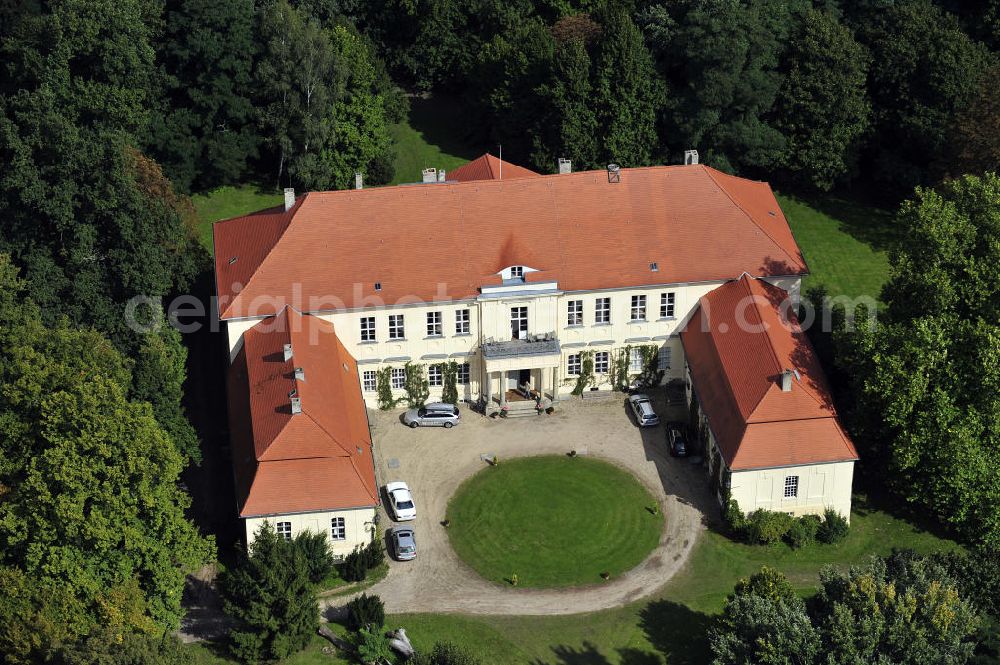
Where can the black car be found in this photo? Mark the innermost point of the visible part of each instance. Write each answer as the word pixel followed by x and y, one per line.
pixel 676 440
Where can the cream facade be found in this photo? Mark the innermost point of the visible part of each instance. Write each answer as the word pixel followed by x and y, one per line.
pixel 345 530
pixel 488 336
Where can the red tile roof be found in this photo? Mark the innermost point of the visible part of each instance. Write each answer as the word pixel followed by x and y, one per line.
pixel 488 167
pixel 319 459
pixel 737 344
pixel 442 241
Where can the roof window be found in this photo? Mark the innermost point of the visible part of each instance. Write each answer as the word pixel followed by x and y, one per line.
pixel 654 266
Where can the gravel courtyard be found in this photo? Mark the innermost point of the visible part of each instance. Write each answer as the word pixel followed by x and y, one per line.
pixel 435 461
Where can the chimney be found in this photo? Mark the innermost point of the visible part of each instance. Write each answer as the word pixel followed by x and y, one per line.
pixel 359 180
pixel 690 156
pixel 614 173
pixel 300 374
pixel 429 175
pixel 296 405
pixel 786 380
pixel 565 165
pixel 441 175
pixel 288 352
pixel 289 198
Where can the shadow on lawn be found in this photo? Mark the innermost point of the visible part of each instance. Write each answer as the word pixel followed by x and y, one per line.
pixel 859 219
pixel 439 119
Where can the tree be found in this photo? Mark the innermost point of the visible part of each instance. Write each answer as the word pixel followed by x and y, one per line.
pixel 204 134
pixel 627 93
pixel 91 499
pixel 977 130
pixel 269 593
pixel 569 126
pixel 925 69
pixel 822 108
pixel 34 615
pixel 927 378
pixel 103 648
pixel 446 653
pixel 764 622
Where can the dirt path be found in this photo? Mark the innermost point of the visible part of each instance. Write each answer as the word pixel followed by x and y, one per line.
pixel 436 461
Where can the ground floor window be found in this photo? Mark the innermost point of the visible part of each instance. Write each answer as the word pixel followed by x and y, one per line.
pixel 284 530
pixel 463 374
pixel 601 362
pixel 635 364
pixel 338 529
pixel 434 376
pixel 665 357
pixel 573 365
pixel 398 377
pixel 791 487
pixel 368 380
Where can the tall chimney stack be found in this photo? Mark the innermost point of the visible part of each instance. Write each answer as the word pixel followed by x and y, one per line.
pixel 288 352
pixel 786 381
pixel 289 198
pixel 429 175
pixel 359 180
pixel 441 175
pixel 300 374
pixel 565 165
pixel 690 156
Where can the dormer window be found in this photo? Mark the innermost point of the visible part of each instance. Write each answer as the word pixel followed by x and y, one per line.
pixel 517 272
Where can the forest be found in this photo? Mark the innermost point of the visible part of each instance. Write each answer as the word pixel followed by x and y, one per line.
pixel 113 113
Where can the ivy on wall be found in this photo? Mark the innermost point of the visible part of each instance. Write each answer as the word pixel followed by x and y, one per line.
pixel 417 387
pixel 586 372
pixel 383 378
pixel 449 393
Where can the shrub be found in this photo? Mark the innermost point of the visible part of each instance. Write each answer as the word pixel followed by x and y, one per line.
pixel 365 611
pixel 355 567
pixel 767 527
pixel 803 531
pixel 734 519
pixel 446 653
pixel 373 646
pixel 374 554
pixel 834 527
pixel 315 548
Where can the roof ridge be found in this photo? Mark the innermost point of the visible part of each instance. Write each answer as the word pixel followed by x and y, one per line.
pixel 736 203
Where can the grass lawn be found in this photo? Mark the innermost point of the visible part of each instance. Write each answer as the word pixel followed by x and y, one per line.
pixel 430 137
pixel 553 521
pixel 226 202
pixel 843 242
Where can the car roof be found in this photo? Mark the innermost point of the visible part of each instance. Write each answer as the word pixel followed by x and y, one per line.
pixel 440 406
pixel 396 485
pixel 403 533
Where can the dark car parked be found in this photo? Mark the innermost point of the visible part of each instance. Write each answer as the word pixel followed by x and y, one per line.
pixel 676 440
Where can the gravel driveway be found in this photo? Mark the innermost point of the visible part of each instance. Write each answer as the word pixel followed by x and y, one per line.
pixel 436 461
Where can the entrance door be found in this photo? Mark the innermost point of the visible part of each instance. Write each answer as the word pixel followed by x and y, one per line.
pixel 523 377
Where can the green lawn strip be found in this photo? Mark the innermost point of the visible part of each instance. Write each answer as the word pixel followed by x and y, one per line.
pixel 227 202
pixel 553 521
pixel 431 136
pixel 843 242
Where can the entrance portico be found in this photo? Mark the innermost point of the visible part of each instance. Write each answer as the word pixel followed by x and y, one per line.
pixel 508 364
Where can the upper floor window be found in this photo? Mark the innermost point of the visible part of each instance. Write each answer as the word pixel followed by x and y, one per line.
pixel 574 316
pixel 435 378
pixel 338 529
pixel 398 377
pixel 396 330
pixel 601 362
pixel 573 365
pixel 284 530
pixel 434 324
pixel 667 305
pixel 368 329
pixel 602 310
pixel 791 487
pixel 368 380
pixel 638 308
pixel 462 322
pixel 517 272
pixel 518 322
pixel 664 357
pixel 463 374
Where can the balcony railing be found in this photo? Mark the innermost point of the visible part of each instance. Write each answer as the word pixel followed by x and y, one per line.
pixel 531 345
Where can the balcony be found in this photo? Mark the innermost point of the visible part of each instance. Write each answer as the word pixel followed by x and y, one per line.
pixel 532 345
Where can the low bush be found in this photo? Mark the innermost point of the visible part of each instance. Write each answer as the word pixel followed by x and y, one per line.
pixel 365 611
pixel 355 567
pixel 373 646
pixel 374 554
pixel 767 527
pixel 834 527
pixel 446 653
pixel 803 531
pixel 734 519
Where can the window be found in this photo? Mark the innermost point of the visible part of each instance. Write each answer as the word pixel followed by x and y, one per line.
pixel 368 329
pixel 518 322
pixel 396 330
pixel 602 311
pixel 638 308
pixel 368 380
pixel 284 530
pixel 433 324
pixel 463 374
pixel 434 376
pixel 338 529
pixel 517 272
pixel 574 315
pixel 664 357
pixel 635 361
pixel 573 366
pixel 667 305
pixel 462 322
pixel 791 487
pixel 601 362
pixel 398 377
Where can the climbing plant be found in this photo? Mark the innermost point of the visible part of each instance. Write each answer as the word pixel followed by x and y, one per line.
pixel 383 383
pixel 651 373
pixel 586 372
pixel 449 393
pixel 619 368
pixel 417 387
